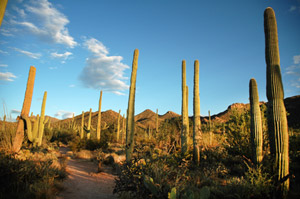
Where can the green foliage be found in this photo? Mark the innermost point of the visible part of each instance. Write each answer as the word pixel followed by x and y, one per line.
pixel 27 178
pixel 89 144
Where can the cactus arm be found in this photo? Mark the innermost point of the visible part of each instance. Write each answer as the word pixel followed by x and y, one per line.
pixel 99 118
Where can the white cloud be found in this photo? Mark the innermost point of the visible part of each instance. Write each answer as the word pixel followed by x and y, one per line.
pixel 63 56
pixel 41 19
pixel 72 86
pixel 3 65
pixel 64 114
pixel 7 76
pixel 15 111
pixel 102 71
pixel 29 54
pixel 296 59
pixel 3 52
pixel 52 68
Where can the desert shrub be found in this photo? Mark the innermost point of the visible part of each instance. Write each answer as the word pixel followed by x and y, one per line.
pixel 90 144
pixel 62 135
pixel 6 136
pixel 27 178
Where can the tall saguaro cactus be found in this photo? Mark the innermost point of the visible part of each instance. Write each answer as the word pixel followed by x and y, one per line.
pixel 82 125
pixel 187 113
pixel 17 143
pixel 99 118
pixel 184 132
pixel 130 111
pixel 277 118
pixel 197 134
pixel 256 124
pixel 42 119
pixel 88 128
pixel 118 127
pixel 3 4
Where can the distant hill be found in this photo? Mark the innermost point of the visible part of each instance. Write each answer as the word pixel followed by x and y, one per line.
pixel 147 118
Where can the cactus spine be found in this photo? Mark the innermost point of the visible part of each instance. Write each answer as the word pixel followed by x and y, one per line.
pixel 42 120
pixel 197 134
pixel 118 127
pixel 99 118
pixel 130 111
pixel 184 133
pixel 256 125
pixel 277 118
pixel 17 143
pixel 82 126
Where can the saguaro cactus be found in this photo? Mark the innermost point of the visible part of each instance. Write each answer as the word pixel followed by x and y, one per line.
pixel 277 118
pixel 156 122
pixel 17 143
pixel 118 127
pixel 88 128
pixel 99 118
pixel 184 133
pixel 197 134
pixel 42 119
pixel 82 126
pixel 3 4
pixel 187 114
pixel 130 111
pixel 256 125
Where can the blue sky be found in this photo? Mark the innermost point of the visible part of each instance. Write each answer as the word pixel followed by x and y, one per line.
pixel 82 47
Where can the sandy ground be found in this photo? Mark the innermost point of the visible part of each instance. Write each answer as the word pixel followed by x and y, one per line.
pixel 84 181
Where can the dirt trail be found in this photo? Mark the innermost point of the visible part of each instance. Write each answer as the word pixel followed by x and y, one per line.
pixel 84 181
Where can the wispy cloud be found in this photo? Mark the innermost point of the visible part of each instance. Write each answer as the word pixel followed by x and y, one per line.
pixel 294 72
pixel 102 71
pixel 3 65
pixel 294 8
pixel 72 86
pixel 64 114
pixel 3 52
pixel 7 76
pixel 53 68
pixel 15 111
pixel 63 56
pixel 43 20
pixel 29 54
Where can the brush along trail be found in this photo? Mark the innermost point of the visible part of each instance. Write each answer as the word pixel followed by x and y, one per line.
pixel 84 181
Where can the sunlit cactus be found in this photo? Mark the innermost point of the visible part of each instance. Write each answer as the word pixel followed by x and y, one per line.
pixel 130 111
pixel 3 4
pixel 82 126
pixel 87 128
pixel 99 118
pixel 184 132
pixel 17 143
pixel 277 118
pixel 42 121
pixel 256 124
pixel 197 134
pixel 118 127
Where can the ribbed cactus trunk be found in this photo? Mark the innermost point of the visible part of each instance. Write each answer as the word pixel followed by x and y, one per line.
pixel 197 134
pixel 123 128
pixel 130 111
pixel 3 4
pixel 184 132
pixel 82 125
pixel 256 124
pixel 156 122
pixel 88 134
pixel 210 133
pixel 277 118
pixel 99 118
pixel 17 143
pixel 42 120
pixel 187 114
pixel 118 127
